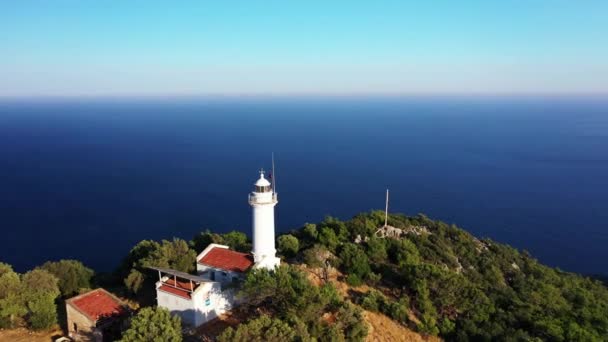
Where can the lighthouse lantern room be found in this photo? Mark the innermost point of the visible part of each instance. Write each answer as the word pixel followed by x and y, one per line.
pixel 262 200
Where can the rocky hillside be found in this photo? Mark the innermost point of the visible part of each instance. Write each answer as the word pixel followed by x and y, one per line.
pixel 439 280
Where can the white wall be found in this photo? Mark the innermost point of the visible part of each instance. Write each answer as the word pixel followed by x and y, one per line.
pixel 264 252
pixel 207 302
pixel 177 305
pixel 263 229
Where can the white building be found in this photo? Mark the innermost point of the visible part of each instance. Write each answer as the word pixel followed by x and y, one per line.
pixel 195 299
pixel 219 263
pixel 198 299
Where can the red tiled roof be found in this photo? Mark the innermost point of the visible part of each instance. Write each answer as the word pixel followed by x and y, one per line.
pixel 184 285
pixel 179 288
pixel 175 291
pixel 98 304
pixel 226 259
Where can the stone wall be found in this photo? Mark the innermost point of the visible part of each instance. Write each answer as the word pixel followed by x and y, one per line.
pixel 80 327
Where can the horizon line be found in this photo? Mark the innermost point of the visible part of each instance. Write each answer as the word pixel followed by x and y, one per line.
pixel 302 95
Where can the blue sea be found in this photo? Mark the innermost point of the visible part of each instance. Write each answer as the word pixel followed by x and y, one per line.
pixel 88 178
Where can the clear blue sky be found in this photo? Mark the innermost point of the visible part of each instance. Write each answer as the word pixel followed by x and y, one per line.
pixel 289 47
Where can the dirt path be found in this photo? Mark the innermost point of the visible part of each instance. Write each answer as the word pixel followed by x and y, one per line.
pixel 24 335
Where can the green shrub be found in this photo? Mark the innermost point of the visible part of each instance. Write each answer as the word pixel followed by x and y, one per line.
pixel 288 245
pixel 260 329
pixel 153 324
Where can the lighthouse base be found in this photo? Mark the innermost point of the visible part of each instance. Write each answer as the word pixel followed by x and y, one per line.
pixel 267 262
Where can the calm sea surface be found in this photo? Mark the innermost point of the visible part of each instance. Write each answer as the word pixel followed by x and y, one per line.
pixel 87 179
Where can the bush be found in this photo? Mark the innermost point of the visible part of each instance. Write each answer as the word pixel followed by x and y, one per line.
pixel 134 281
pixel 398 311
pixel 72 275
pixel 175 254
pixel 5 268
pixel 153 324
pixel 40 291
pixel 354 261
pixel 353 280
pixel 403 252
pixel 260 329
pixel 330 295
pixel 200 241
pixel 288 245
pixel 349 319
pixel 12 305
pixel 376 250
pixel 374 300
pixel 43 311
pixel 310 232
pixel 373 278
pixel 446 326
pixel 315 256
pixel 328 238
pixel 237 241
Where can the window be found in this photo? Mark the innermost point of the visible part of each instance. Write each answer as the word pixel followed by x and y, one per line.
pixel 75 327
pixel 262 188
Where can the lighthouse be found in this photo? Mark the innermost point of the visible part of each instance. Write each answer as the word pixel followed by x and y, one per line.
pixel 262 201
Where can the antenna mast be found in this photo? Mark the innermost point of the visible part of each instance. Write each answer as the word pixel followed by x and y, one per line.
pixel 385 210
pixel 274 176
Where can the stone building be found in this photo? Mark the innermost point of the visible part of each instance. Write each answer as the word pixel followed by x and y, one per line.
pixel 95 316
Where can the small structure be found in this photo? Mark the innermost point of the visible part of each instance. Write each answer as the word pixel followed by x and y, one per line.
pixel 95 316
pixel 389 232
pixel 392 232
pixel 219 263
pixel 195 299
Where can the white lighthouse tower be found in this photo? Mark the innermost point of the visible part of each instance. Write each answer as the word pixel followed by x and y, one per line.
pixel 262 200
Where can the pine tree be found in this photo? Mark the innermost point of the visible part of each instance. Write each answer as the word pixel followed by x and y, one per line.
pixel 153 324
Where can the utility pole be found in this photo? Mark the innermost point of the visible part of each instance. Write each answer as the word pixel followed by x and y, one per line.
pixel 386 210
pixel 274 176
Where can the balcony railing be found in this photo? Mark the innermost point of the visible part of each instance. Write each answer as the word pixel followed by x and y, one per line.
pixel 253 199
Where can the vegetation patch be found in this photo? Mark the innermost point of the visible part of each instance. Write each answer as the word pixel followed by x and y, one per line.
pixel 440 282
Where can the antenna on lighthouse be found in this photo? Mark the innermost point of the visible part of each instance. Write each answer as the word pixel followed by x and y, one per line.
pixel 386 210
pixel 274 176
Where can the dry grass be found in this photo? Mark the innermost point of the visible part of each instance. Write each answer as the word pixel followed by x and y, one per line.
pixel 24 335
pixel 384 329
pixel 381 327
